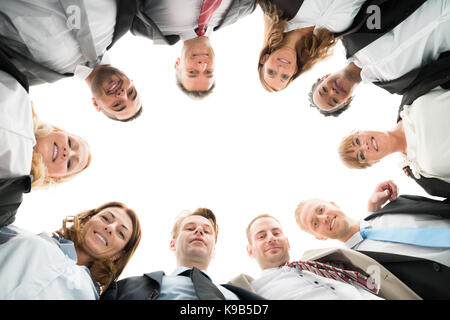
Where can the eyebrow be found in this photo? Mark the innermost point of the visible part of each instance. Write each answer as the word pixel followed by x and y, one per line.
pixel 114 217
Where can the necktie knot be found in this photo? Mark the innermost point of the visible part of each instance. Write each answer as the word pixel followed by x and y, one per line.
pixel 206 12
pixel 203 286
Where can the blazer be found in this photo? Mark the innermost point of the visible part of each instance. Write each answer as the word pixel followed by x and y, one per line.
pixel 148 287
pixel 427 278
pixel 7 66
pixel 133 16
pixel 11 195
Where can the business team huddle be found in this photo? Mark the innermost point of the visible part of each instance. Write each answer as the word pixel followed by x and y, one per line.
pixel 400 46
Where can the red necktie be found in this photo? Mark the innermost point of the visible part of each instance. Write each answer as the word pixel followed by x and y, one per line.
pixel 351 277
pixel 206 13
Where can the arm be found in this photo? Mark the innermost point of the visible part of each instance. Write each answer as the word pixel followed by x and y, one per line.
pixel 384 191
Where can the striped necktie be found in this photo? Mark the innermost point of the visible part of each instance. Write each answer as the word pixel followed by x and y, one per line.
pixel 353 278
pixel 206 13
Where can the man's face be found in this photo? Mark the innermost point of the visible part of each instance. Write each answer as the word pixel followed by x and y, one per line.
pixel 195 241
pixel 114 93
pixel 334 91
pixel 196 65
pixel 270 247
pixel 324 220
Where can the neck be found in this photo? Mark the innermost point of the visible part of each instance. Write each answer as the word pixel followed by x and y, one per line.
pixel 354 227
pixel 397 138
pixel 83 259
pixel 91 76
pixel 292 37
pixel 191 264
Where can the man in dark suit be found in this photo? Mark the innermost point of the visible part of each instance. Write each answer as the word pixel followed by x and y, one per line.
pixel 194 237
pixel 425 268
pixel 409 36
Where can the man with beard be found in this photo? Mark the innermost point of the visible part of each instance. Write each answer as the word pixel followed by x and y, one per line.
pixel 51 40
pixel 421 262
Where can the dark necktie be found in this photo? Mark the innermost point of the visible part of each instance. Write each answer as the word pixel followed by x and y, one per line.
pixel 204 288
pixel 206 13
pixel 353 278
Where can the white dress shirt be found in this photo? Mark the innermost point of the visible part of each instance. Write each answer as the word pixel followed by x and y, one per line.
pixel 34 267
pixel 176 287
pixel 416 41
pixel 333 15
pixel 43 27
pixel 427 133
pixel 16 128
pixel 441 255
pixel 288 283
pixel 175 17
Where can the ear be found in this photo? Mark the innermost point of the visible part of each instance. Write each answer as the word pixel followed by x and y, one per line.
pixel 325 76
pixel 320 238
pixel 250 251
pixel 348 100
pixel 264 58
pixel 94 102
pixel 177 63
pixel 374 161
pixel 172 245
pixel 56 179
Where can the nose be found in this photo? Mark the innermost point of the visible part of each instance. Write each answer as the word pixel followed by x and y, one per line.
pixel 202 65
pixel 199 230
pixel 108 229
pixel 324 218
pixel 66 152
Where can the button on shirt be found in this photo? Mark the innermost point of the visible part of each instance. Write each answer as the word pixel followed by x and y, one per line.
pixel 416 41
pixel 43 27
pixel 175 17
pixel 176 287
pixel 333 15
pixel 288 283
pixel 441 255
pixel 16 128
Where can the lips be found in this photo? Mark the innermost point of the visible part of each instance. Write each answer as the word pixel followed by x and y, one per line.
pixel 55 152
pixel 374 144
pixel 282 60
pixel 113 87
pixel 332 223
pixel 101 238
pixel 340 88
pixel 272 248
pixel 198 240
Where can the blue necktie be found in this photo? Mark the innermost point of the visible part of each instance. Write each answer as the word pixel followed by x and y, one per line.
pixel 428 237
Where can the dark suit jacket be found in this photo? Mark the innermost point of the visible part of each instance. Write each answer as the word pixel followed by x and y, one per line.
pixel 7 66
pixel 429 279
pixel 11 192
pixel 148 286
pixel 132 15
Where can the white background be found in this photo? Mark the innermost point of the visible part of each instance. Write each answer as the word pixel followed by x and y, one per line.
pixel 240 152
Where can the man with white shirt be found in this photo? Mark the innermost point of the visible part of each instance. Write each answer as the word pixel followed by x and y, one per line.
pixel 194 237
pixel 406 258
pixel 281 280
pixel 383 57
pixel 50 40
pixel 167 21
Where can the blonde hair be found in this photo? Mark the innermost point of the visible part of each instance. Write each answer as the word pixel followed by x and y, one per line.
pixel 41 178
pixel 264 215
pixel 347 153
pixel 299 210
pixel 311 48
pixel 103 271
pixel 204 212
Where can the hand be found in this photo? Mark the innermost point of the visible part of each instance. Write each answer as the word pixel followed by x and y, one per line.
pixel 384 191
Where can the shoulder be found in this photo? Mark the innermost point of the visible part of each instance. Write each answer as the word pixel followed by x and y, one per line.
pixel 132 288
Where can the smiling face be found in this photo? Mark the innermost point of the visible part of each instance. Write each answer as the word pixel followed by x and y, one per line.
pixel 269 246
pixel 370 146
pixel 106 233
pixel 324 220
pixel 279 67
pixel 114 93
pixel 63 154
pixel 195 242
pixel 334 91
pixel 195 67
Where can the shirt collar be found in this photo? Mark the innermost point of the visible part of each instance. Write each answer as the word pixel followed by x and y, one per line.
pixel 190 34
pixel 181 269
pixel 356 238
pixel 83 71
pixel 66 247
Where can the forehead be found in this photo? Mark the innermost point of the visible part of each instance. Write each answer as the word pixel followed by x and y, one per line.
pixel 84 152
pixel 197 220
pixel 264 224
pixel 320 99
pixel 200 83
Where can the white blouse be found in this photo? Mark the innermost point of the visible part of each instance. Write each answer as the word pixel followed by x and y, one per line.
pixel 427 132
pixel 334 15
pixel 16 129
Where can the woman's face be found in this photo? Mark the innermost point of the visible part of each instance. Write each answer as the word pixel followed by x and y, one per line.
pixel 279 67
pixel 106 234
pixel 370 146
pixel 63 154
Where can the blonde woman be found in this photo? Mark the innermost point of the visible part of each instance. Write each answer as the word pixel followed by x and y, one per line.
pixel 299 36
pixel 421 136
pixel 29 146
pixel 78 262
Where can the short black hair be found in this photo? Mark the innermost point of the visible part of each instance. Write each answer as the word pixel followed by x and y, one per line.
pixel 326 113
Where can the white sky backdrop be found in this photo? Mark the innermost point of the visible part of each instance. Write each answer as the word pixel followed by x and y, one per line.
pixel 240 152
